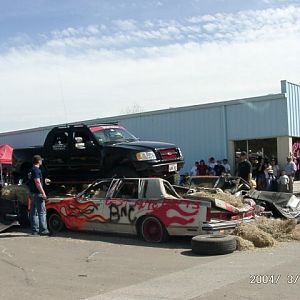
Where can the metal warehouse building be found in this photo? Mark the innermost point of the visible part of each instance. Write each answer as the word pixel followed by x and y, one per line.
pixel 266 124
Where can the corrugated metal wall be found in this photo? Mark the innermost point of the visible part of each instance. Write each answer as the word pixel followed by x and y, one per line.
pixel 200 131
pixel 22 139
pixel 260 119
pixel 293 95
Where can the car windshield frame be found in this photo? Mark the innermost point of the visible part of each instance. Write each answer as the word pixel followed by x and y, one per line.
pixel 113 135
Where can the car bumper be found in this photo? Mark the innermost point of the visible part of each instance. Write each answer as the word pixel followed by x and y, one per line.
pixel 158 169
pixel 216 226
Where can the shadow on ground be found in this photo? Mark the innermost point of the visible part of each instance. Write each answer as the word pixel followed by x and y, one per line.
pixel 131 240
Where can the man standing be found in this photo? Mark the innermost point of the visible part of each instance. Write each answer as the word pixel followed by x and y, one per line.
pixel 244 167
pixel 290 170
pixel 38 197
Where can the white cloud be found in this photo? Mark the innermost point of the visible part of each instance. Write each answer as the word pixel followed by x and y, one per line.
pixel 96 74
pixel 125 25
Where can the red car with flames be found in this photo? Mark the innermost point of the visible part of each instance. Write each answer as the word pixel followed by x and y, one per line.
pixel 149 207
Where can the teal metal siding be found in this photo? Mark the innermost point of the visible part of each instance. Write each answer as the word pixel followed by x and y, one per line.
pixel 260 119
pixel 293 106
pixel 199 133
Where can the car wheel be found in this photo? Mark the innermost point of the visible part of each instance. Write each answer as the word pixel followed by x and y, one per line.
pixel 213 244
pixel 124 172
pixel 55 223
pixel 152 230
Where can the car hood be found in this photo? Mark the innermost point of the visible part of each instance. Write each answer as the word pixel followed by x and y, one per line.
pixel 145 145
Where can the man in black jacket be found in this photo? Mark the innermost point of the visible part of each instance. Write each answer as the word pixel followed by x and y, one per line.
pixel 244 167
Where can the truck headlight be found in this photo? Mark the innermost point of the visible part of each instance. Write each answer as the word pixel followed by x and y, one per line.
pixel 149 155
pixel 180 153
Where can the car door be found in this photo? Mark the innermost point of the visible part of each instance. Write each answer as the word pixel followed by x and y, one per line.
pixel 120 206
pixel 56 153
pixel 92 203
pixel 85 156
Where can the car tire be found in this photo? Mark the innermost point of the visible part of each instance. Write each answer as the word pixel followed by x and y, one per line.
pixel 55 223
pixel 213 244
pixel 124 172
pixel 152 230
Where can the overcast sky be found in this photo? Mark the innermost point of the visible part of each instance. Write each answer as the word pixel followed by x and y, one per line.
pixel 71 60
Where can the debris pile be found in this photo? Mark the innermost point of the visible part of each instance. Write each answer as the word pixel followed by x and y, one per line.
pixel 228 198
pixel 16 192
pixel 281 230
pixel 242 244
pixel 252 233
pixel 266 232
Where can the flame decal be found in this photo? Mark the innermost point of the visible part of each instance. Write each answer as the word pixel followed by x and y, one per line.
pixel 162 213
pixel 75 214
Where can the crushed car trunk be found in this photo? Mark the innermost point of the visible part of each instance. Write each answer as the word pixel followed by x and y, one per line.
pixel 281 204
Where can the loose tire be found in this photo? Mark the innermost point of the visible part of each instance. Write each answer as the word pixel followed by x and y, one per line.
pixel 213 244
pixel 152 230
pixel 55 223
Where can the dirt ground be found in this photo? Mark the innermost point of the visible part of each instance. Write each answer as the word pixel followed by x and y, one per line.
pixel 86 265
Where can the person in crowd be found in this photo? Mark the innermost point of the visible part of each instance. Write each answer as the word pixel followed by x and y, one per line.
pixel 184 179
pixel 283 182
pixel 269 176
pixel 260 174
pixel 202 168
pixel 211 166
pixel 226 166
pixel 254 163
pixel 219 168
pixel 38 198
pixel 290 170
pixel 276 169
pixel 194 170
pixel 297 162
pixel 244 167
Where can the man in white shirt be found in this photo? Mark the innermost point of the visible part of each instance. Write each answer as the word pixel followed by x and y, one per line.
pixel 194 170
pixel 290 170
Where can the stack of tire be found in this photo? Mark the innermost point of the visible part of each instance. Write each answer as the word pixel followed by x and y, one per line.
pixel 213 244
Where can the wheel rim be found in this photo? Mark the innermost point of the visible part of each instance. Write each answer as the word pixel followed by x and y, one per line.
pixel 152 230
pixel 55 223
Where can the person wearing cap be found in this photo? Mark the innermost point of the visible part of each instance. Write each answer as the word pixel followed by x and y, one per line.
pixel 290 170
pixel 244 167
pixel 38 197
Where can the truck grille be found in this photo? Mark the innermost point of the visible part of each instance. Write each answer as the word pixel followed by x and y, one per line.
pixel 169 154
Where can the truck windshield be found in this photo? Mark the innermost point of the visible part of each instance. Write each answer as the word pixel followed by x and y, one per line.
pixel 113 135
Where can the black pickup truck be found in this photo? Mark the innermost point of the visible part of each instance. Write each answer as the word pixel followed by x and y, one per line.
pixel 81 154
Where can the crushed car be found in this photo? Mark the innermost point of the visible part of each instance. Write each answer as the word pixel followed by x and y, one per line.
pixel 235 197
pixel 149 207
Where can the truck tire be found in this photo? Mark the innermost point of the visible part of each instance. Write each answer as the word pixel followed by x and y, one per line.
pixel 55 222
pixel 213 244
pixel 152 230
pixel 124 172
pixel 174 179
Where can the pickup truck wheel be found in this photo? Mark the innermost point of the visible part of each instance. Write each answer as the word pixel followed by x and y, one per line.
pixel 124 172
pixel 152 230
pixel 213 244
pixel 174 179
pixel 55 223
